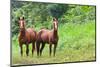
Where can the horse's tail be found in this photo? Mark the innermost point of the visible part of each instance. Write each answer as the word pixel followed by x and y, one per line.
pixel 38 37
pixel 39 34
pixel 35 38
pixel 35 35
pixel 38 40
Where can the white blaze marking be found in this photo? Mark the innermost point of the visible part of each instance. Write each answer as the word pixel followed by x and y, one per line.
pixel 21 23
pixel 55 24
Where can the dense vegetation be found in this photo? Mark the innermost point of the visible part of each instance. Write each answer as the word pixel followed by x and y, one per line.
pixel 37 15
pixel 76 30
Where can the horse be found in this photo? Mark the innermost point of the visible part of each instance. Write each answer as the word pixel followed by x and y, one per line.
pixel 47 36
pixel 26 36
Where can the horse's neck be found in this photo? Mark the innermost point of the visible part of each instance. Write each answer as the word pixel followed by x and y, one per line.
pixel 22 33
pixel 55 33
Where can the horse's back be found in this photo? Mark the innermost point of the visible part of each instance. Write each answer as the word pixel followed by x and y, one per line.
pixel 43 35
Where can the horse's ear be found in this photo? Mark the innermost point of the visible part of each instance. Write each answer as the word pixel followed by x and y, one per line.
pixel 53 19
pixel 23 18
pixel 18 18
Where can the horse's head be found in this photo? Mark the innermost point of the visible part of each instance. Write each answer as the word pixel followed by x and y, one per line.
pixel 55 24
pixel 21 23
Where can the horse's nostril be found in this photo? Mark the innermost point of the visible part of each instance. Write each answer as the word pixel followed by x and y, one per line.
pixel 21 28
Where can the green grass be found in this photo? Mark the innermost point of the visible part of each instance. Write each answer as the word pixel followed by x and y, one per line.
pixel 76 43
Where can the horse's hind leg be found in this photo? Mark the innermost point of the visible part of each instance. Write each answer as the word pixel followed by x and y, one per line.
pixel 38 48
pixel 55 45
pixel 27 49
pixel 42 47
pixel 50 49
pixel 33 48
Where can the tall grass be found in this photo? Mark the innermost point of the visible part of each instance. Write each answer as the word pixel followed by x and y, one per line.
pixel 76 43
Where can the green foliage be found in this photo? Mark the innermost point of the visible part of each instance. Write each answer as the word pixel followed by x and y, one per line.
pixel 42 13
pixel 57 10
pixel 79 14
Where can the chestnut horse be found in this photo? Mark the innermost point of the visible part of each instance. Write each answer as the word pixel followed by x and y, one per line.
pixel 47 36
pixel 26 36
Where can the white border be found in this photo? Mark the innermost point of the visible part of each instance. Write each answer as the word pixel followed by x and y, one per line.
pixel 84 2
pixel 5 33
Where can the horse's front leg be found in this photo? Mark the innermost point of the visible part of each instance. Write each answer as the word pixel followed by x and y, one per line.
pixel 55 46
pixel 33 48
pixel 27 49
pixel 50 49
pixel 38 48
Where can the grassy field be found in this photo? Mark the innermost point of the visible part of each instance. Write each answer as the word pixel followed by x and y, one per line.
pixel 76 43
